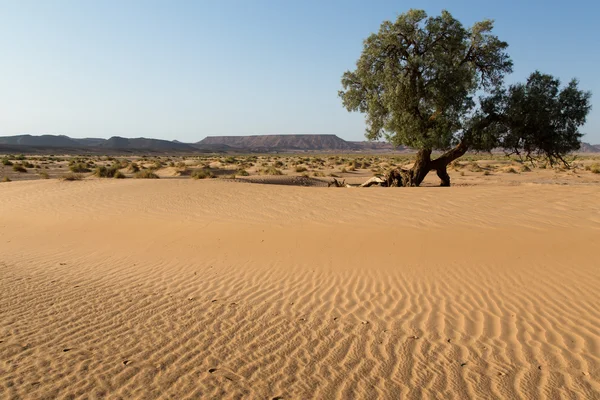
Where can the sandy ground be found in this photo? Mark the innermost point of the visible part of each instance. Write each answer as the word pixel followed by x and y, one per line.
pixel 182 289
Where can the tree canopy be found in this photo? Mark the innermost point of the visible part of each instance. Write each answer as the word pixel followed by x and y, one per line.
pixel 429 83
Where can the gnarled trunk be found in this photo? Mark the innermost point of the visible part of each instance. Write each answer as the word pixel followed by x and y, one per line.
pixel 423 164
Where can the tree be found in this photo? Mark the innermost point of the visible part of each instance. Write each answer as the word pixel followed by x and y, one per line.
pixel 430 84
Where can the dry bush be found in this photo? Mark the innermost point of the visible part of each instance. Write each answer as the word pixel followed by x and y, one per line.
pixel 202 174
pixel 19 168
pixel 71 177
pixel 525 168
pixel 146 174
pixel 107 172
pixel 79 167
pixel 271 170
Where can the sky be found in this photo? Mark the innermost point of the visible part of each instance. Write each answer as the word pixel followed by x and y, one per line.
pixel 189 69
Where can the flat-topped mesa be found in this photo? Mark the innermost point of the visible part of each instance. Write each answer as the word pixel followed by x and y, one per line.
pixel 281 142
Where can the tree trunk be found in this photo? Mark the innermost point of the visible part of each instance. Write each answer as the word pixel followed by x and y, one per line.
pixel 424 164
pixel 443 175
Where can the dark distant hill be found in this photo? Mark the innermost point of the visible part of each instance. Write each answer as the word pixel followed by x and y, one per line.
pixel 280 142
pixel 589 148
pixel 65 144
pixel 90 141
pixel 117 142
pixel 39 141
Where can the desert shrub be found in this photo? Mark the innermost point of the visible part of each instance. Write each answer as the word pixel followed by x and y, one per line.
pixel 71 177
pixel 27 164
pixel 20 157
pixel 157 165
pixel 318 173
pixel 271 171
pixel 79 167
pixel 6 161
pixel 106 172
pixel 474 167
pixel 44 175
pixel 510 170
pixel 595 169
pixel 6 179
pixel 343 170
pixel 525 168
pixel 119 175
pixel 229 160
pixel 146 174
pixel 486 172
pixel 242 172
pixel 19 168
pixel 301 169
pixel 202 174
pixel 278 164
pixel 133 167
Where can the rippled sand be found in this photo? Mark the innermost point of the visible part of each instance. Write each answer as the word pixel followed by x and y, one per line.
pixel 209 289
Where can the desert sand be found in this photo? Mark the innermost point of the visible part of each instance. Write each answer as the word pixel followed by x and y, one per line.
pixel 185 289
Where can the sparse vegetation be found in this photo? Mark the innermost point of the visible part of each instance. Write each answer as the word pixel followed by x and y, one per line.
pixel 19 168
pixel 202 174
pixel 107 172
pixel 71 177
pixel 146 174
pixel 79 167
pixel 271 170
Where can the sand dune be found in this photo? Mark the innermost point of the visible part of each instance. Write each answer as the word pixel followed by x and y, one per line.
pixel 186 289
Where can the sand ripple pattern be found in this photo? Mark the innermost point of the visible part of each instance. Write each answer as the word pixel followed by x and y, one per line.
pixel 225 290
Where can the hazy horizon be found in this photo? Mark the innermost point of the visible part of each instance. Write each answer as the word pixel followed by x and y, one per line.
pixel 186 71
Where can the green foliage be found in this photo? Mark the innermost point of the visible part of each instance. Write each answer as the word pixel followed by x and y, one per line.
pixel 6 161
pixel 541 119
pixel 19 168
pixel 416 78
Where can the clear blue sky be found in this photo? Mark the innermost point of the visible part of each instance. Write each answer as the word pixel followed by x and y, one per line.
pixel 187 69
